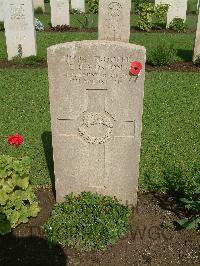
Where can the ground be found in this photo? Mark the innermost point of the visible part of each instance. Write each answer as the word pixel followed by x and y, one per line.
pixel 149 241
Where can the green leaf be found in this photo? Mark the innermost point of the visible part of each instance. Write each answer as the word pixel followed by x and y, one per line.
pixel 5 226
pixel 3 197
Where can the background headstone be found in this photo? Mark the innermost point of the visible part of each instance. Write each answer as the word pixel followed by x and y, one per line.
pixel 177 9
pixel 96 116
pixel 60 12
pixel 1 11
pixel 78 5
pixel 39 3
pixel 198 2
pixel 197 41
pixel 19 28
pixel 114 20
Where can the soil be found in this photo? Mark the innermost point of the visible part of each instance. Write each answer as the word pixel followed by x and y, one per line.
pixel 151 240
pixel 66 28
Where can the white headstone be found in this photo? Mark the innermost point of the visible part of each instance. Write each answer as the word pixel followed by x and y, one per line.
pixel 198 2
pixel 78 5
pixel 39 4
pixel 197 41
pixel 96 117
pixel 114 20
pixel 177 9
pixel 19 28
pixel 1 11
pixel 60 12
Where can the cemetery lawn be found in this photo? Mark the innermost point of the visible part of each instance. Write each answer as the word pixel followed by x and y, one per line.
pixel 170 124
pixel 149 40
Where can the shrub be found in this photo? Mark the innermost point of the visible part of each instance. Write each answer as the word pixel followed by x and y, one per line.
pixel 163 54
pixel 17 199
pixel 193 206
pixel 161 16
pixel 86 22
pixel 138 2
pixel 87 222
pixel 178 25
pixel 145 12
pixel 93 6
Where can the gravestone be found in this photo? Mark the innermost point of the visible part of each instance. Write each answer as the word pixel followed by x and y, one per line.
pixel 78 5
pixel 114 20
pixel 1 10
pixel 39 4
pixel 197 41
pixel 19 28
pixel 96 116
pixel 198 2
pixel 177 9
pixel 59 12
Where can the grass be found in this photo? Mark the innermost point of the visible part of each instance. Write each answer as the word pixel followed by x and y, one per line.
pixel 184 43
pixel 171 137
pixel 170 124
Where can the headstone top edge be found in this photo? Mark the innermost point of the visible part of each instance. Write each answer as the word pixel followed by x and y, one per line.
pixel 53 49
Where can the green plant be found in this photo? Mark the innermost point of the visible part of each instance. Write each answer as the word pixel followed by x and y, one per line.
pixel 145 12
pixel 160 15
pixel 75 11
pixel 38 10
pixel 178 25
pixel 93 6
pixel 87 222
pixel 32 60
pixel 17 199
pixel 193 206
pixel 163 54
pixel 87 21
pixel 138 2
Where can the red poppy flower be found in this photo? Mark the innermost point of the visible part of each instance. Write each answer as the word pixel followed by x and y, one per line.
pixel 136 68
pixel 15 140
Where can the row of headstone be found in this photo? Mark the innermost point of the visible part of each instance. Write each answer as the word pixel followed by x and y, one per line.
pixel 114 23
pixel 55 4
pixel 177 9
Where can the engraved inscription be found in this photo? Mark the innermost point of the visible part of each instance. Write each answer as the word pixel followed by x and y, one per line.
pixel 98 120
pixel 17 12
pixel 114 9
pixel 104 69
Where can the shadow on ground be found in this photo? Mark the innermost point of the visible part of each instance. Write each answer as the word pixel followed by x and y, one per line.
pixel 186 55
pixel 48 151
pixel 28 251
